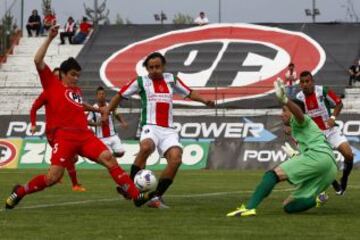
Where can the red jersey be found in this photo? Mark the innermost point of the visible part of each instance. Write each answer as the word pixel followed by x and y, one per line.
pixel 64 104
pixel 50 19
pixel 85 27
pixel 318 104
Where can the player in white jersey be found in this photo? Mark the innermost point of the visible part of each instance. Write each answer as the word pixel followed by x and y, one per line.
pixel 156 91
pixel 318 100
pixel 105 130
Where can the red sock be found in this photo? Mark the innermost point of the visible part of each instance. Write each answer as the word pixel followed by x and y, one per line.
pixel 121 178
pixel 36 184
pixel 72 174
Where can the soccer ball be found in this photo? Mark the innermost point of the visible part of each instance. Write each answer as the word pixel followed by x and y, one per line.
pixel 145 180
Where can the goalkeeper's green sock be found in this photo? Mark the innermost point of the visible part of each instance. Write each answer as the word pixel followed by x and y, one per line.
pixel 267 184
pixel 300 205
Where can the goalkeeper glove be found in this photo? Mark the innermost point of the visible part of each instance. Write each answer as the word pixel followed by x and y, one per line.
pixel 289 150
pixel 280 91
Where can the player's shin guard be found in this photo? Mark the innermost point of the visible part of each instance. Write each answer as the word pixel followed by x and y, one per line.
pixel 122 179
pixel 267 184
pixel 300 205
pixel 133 171
pixel 348 165
pixel 36 184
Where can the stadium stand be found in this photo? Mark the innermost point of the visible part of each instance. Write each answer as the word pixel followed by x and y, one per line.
pixel 19 83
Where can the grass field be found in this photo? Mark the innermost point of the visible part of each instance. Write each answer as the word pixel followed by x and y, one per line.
pixel 199 201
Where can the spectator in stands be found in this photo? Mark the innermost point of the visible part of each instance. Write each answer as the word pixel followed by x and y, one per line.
pixel 84 31
pixel 34 23
pixel 69 31
pixel 354 71
pixel 290 80
pixel 201 19
pixel 49 20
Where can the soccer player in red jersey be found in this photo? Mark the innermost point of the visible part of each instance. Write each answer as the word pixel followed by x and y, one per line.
pixel 71 133
pixel 38 103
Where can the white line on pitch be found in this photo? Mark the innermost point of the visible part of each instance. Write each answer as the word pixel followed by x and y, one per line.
pixel 168 196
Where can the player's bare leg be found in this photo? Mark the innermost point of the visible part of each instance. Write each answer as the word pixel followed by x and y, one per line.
pixel 173 157
pixel 36 184
pixel 346 151
pixel 147 146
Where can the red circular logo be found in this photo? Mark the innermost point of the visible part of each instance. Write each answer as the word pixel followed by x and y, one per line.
pixel 252 56
pixel 7 152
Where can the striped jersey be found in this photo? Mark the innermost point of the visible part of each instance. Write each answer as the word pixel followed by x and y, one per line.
pixel 107 128
pixel 156 97
pixel 318 104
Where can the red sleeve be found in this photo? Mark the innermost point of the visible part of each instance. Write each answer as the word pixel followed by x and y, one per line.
pixel 333 98
pixel 47 77
pixel 37 104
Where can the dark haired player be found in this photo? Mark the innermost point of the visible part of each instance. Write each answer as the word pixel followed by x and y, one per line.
pixel 105 130
pixel 156 91
pixel 40 101
pixel 71 136
pixel 318 100
pixel 312 171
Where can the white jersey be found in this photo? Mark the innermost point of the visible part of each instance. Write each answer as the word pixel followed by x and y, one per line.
pixel 156 97
pixel 107 128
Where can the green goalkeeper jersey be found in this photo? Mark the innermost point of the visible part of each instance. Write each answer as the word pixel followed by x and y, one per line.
pixel 309 136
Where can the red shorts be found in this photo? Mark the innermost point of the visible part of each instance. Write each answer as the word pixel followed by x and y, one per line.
pixel 50 137
pixel 67 145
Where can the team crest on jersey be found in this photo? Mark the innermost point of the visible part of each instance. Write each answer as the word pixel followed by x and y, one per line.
pixel 74 97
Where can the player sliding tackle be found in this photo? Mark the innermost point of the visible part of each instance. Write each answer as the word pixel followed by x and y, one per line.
pixel 312 171
pixel 71 133
pixel 156 91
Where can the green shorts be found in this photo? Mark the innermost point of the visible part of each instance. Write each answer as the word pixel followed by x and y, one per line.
pixel 311 172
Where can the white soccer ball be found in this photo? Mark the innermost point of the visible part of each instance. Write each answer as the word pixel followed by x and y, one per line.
pixel 145 180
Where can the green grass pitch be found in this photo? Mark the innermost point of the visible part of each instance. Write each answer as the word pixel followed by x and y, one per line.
pixel 199 201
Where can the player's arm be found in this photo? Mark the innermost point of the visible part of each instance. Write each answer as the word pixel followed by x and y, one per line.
pixel 335 101
pixel 185 91
pixel 37 104
pixel 92 120
pixel 41 52
pixel 120 118
pixel 293 107
pixel 125 92
pixel 89 108
pixel 195 96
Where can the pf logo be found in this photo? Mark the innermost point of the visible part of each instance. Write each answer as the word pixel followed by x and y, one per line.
pixel 7 153
pixel 224 62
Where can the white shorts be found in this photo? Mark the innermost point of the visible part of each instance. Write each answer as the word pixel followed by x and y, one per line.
pixel 113 143
pixel 163 138
pixel 335 137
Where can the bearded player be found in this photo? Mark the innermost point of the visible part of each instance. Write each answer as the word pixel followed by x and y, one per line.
pixel 71 136
pixel 156 91
pixel 318 100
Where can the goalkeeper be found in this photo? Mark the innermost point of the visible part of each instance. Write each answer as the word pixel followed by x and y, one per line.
pixel 312 171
